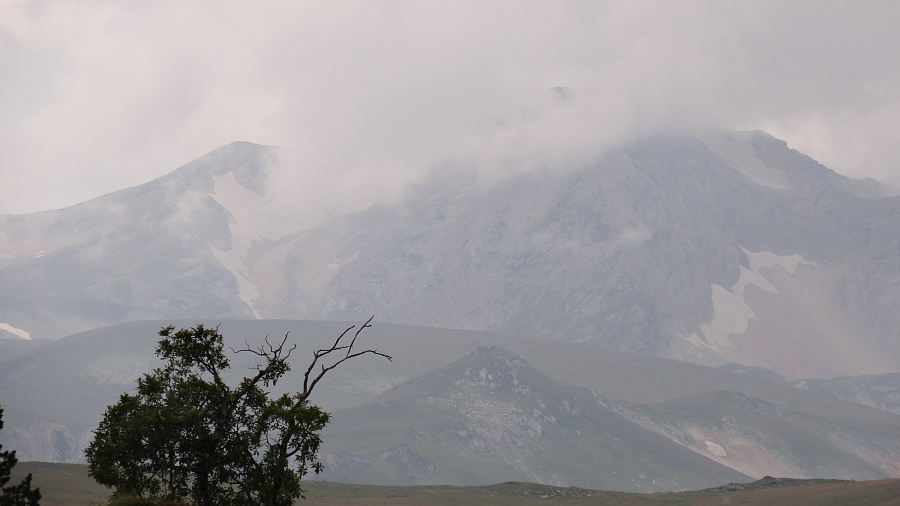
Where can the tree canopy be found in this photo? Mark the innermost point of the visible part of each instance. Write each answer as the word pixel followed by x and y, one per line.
pixel 188 435
pixel 15 495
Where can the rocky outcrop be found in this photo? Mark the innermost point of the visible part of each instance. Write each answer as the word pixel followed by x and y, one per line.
pixel 47 441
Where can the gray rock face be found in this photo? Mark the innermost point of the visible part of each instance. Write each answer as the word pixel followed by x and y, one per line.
pixel 47 441
pixel 727 248
pixel 664 247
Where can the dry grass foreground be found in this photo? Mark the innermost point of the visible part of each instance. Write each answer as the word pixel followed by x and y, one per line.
pixel 68 484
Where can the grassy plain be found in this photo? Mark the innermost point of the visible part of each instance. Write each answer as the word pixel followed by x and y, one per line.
pixel 69 485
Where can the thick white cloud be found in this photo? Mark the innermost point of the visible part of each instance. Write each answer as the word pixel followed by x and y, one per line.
pixel 366 96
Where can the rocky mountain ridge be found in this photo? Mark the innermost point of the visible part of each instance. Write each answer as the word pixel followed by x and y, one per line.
pixel 724 248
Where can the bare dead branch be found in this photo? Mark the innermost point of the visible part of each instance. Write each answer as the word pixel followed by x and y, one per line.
pixel 272 352
pixel 308 385
pixel 272 355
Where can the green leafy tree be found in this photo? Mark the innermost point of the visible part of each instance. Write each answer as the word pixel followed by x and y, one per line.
pixel 186 434
pixel 15 495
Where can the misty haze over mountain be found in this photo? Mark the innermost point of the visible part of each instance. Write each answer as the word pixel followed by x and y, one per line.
pixel 643 245
pixel 727 247
pixel 366 98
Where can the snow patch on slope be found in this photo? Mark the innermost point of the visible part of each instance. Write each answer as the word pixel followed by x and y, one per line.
pixel 731 314
pixel 251 219
pixel 15 331
pixel 715 448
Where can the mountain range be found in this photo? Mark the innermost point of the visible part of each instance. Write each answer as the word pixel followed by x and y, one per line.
pixel 724 248
pixel 713 299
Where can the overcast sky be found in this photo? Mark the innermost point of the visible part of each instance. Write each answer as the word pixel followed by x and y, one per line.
pixel 97 96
